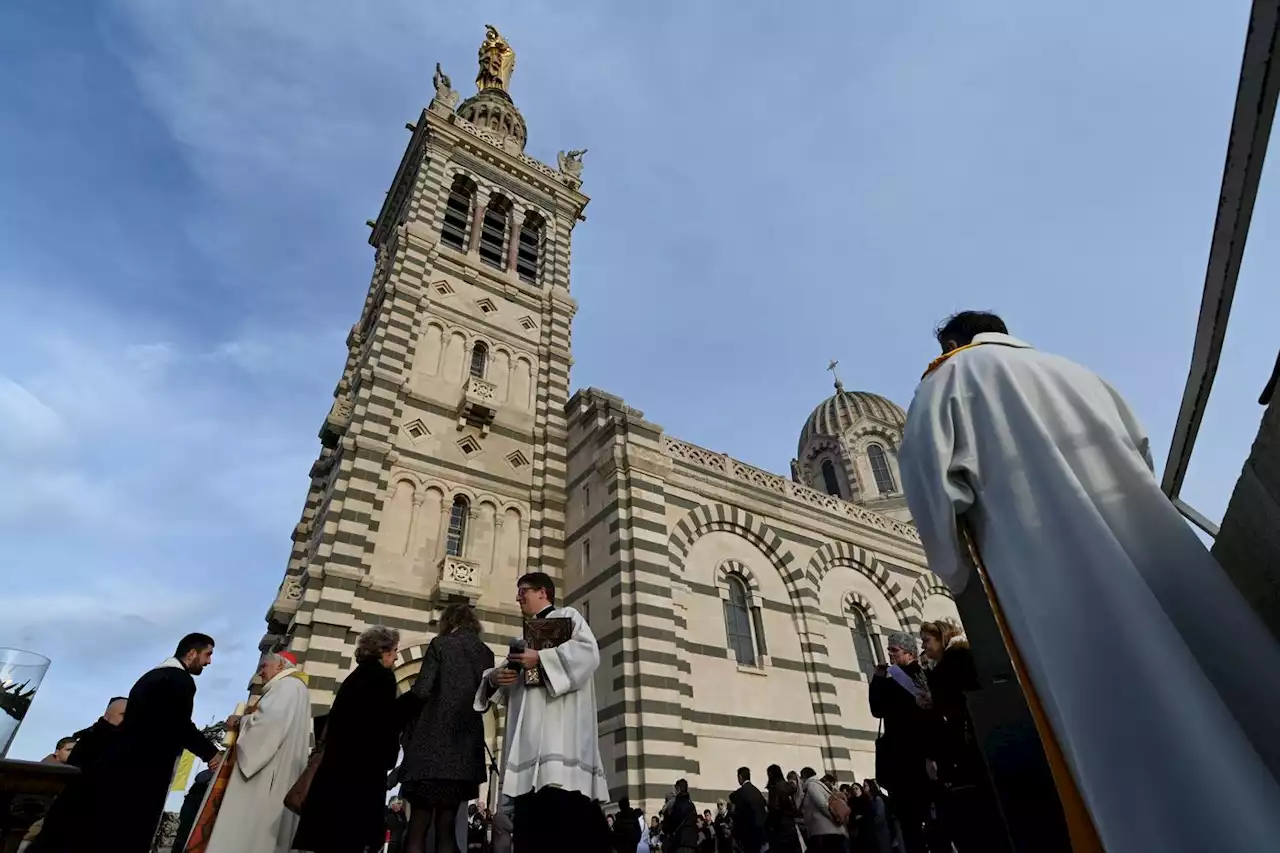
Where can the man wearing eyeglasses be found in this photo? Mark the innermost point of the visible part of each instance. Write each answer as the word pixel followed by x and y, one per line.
pixel 552 768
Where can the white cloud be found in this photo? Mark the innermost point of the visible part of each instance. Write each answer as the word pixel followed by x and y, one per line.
pixel 28 423
pixel 99 604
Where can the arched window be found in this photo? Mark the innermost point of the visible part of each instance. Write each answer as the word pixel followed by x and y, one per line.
pixel 493 232
pixel 527 252
pixel 457 212
pixel 737 622
pixel 880 469
pixel 829 478
pixel 479 359
pixel 866 645
pixel 457 526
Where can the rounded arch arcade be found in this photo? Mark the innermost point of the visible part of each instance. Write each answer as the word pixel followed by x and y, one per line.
pixel 866 563
pixel 705 519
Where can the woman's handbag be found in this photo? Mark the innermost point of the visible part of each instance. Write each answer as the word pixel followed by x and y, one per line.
pixel 297 796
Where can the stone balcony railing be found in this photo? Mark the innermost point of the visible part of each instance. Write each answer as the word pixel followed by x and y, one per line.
pixel 741 472
pixel 336 422
pixel 459 578
pixel 479 404
pixel 288 596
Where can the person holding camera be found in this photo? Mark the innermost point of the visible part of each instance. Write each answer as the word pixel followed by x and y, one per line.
pixel 551 754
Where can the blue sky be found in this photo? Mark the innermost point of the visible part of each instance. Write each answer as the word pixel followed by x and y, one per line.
pixel 182 249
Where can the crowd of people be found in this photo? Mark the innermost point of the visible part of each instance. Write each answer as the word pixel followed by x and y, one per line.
pixel 937 800
pixel 271 792
pixel 1019 467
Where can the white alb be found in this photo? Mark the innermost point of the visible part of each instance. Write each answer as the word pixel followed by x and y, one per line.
pixel 551 736
pixel 271 752
pixel 1158 679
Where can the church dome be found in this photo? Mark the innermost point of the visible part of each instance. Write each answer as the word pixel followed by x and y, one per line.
pixel 843 409
pixel 493 110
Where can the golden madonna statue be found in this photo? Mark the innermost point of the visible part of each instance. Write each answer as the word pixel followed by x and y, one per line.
pixel 497 61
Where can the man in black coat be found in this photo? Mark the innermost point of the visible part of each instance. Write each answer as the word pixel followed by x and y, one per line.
pixel 747 811
pixel 70 810
pixel 129 792
pixel 910 728
pixel 680 824
pixel 626 827
pixel 395 823
pixel 190 810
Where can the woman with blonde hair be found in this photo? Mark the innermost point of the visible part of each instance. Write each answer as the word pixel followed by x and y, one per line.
pixel 444 757
pixel 343 812
pixel 969 812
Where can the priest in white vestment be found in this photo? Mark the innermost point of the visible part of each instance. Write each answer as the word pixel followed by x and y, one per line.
pixel 271 752
pixel 551 769
pixel 1158 681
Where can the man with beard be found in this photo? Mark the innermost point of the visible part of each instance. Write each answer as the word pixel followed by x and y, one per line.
pixel 128 794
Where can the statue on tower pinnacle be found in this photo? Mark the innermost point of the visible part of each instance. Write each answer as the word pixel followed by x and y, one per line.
pixel 497 61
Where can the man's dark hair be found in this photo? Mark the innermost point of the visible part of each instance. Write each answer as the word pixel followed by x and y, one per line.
pixel 682 786
pixel 193 643
pixel 114 699
pixel 744 773
pixel 63 741
pixel 542 581
pixel 960 329
pixel 624 805
pixel 808 773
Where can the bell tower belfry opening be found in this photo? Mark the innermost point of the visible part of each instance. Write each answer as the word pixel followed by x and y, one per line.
pixel 441 472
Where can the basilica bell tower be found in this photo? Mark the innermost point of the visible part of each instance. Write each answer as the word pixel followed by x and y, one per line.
pixel 441 472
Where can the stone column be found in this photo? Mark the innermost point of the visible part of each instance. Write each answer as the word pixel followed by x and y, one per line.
pixel 524 546
pixel 497 540
pixel 443 538
pixel 477 222
pixel 469 534
pixel 411 542
pixel 513 247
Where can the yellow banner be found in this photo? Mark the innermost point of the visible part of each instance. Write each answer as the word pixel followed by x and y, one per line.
pixel 182 772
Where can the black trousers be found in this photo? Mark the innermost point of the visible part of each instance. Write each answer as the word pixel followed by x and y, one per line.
pixel 828 844
pixel 911 807
pixel 553 820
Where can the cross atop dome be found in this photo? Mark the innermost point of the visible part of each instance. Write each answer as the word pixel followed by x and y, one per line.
pixel 832 367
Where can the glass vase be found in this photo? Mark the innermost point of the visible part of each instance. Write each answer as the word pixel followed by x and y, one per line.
pixel 20 675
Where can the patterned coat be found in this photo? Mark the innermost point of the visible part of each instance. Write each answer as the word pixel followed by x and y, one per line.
pixel 447 737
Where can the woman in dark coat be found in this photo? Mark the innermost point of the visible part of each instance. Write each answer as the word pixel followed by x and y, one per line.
pixel 444 753
pixel 862 829
pixel 344 808
pixel 780 813
pixel 970 811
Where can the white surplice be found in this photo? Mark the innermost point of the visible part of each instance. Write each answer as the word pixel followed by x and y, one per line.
pixel 271 752
pixel 1159 681
pixel 552 735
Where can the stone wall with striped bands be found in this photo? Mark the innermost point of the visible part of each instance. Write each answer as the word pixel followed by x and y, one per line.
pixel 925 587
pixel 863 561
pixel 603 438
pixel 334 543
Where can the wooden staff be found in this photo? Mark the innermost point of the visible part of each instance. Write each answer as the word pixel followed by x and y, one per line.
pixel 202 829
pixel 1080 829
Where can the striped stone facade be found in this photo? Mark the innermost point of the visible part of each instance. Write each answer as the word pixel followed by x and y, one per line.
pixel 656 528
pixel 645 534
pixel 403 441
